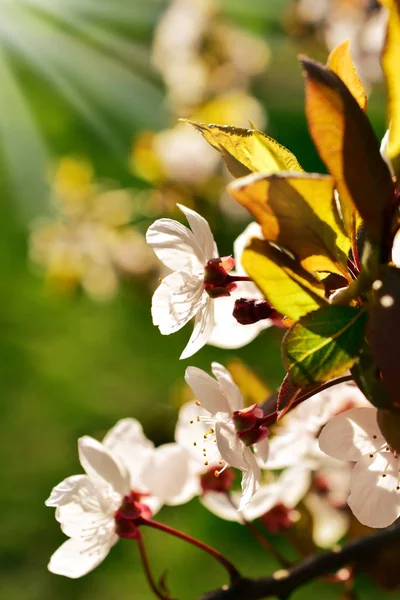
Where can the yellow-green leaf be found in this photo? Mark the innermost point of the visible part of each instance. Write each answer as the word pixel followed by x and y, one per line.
pixel 324 343
pixel 247 150
pixel 298 212
pixel 287 286
pixel 347 144
pixel 341 63
pixel 390 64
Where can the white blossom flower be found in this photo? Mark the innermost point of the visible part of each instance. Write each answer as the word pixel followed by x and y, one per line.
pixel 182 294
pixel 125 462
pixel 374 488
pixel 288 489
pixel 165 475
pixel 221 398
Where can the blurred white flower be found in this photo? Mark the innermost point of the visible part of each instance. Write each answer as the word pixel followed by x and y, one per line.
pixel 299 429
pixel 295 443
pixel 222 400
pixel 287 489
pixel 374 489
pixel 125 465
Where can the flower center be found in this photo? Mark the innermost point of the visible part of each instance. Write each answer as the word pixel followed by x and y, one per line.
pixel 214 480
pixel 251 424
pixel 217 281
pixel 130 515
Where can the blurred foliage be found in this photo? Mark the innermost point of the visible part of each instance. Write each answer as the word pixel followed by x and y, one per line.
pixel 70 366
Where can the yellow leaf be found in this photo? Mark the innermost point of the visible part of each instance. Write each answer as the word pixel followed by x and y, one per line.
pixel 298 212
pixel 348 146
pixel 290 289
pixel 247 150
pixel 341 63
pixel 390 64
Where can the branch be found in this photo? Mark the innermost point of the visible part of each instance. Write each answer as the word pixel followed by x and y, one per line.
pixel 282 583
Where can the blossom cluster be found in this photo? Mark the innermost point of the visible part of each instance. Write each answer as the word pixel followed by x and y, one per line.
pixel 281 464
pixel 321 262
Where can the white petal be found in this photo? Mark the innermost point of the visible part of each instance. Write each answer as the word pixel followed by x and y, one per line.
pixel 219 504
pixel 90 508
pixel 293 484
pixel 98 462
pixel 329 523
pixel 127 441
pixel 207 391
pixel 227 332
pixel 251 231
pixel 77 558
pixel 232 449
pixel 351 434
pixel 374 499
pixel 263 501
pixel 281 450
pixel 176 246
pixel 251 476
pixel 176 300
pixel 170 475
pixel 262 452
pixel 76 519
pixel 203 326
pixel 229 387
pixel 202 232
pixel 63 492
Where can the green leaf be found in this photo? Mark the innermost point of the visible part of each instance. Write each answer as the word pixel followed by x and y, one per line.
pixel 287 286
pixel 324 343
pixel 298 212
pixel 247 150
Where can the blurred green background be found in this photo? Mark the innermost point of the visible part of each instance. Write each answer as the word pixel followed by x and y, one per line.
pixel 71 366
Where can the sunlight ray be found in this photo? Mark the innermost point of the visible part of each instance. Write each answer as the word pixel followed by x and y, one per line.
pixel 18 131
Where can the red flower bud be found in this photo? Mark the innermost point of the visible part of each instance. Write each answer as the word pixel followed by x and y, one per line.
pixel 278 518
pixel 248 311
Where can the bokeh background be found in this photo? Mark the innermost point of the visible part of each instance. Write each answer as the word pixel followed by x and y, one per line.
pixel 90 94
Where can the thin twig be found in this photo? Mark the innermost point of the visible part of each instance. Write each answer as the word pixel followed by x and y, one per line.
pixel 282 583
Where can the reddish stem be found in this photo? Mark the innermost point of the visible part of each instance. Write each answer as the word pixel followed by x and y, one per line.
pixel 146 566
pixel 233 572
pixel 321 388
pixel 233 278
pixel 265 543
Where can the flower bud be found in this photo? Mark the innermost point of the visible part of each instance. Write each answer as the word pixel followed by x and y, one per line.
pixel 248 311
pixel 279 518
